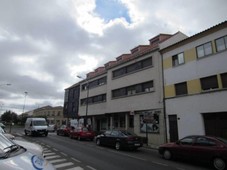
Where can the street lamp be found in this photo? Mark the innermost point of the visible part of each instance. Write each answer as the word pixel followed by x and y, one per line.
pixel 87 87
pixel 25 94
pixel 7 84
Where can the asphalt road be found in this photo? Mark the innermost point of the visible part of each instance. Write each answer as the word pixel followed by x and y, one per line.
pixel 79 155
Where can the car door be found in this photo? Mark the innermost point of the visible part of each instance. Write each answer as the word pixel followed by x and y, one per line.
pixel 183 148
pixel 203 149
pixel 105 137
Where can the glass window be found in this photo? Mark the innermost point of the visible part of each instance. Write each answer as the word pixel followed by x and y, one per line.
pixel 208 83
pixel 202 141
pixel 178 59
pixel 224 80
pixel 221 43
pixel 204 50
pixel 187 141
pixel 181 88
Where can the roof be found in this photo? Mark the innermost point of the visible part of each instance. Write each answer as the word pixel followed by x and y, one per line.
pixel 199 35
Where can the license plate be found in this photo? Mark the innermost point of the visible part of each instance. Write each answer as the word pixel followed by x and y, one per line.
pixel 137 144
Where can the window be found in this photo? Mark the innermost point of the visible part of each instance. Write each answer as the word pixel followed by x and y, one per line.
pixel 178 59
pixel 202 141
pixel 94 99
pixel 134 89
pixel 208 83
pixel 221 43
pixel 204 50
pixel 187 141
pixel 181 88
pixel 133 67
pixel 224 80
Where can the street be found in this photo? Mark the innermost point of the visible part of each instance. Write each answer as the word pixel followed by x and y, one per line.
pixel 70 154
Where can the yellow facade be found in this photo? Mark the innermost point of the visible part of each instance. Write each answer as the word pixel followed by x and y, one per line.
pixel 169 91
pixel 167 63
pixel 190 55
pixel 194 86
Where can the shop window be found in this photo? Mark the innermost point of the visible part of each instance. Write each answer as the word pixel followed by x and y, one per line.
pixel 181 88
pixel 208 83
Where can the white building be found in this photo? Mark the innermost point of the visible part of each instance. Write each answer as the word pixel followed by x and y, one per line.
pixel 195 84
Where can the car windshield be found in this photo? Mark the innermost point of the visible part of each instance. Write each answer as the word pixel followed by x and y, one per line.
pixel 222 140
pixel 39 123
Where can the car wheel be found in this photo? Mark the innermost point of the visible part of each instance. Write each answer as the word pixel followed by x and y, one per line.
pixel 219 163
pixel 117 146
pixel 167 155
pixel 98 142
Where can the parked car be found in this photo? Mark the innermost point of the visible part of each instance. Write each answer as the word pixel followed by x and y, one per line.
pixel 81 133
pixel 198 148
pixel 119 139
pixel 15 157
pixel 51 128
pixel 8 135
pixel 2 125
pixel 63 130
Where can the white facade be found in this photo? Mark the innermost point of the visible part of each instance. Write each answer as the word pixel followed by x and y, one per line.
pixel 191 108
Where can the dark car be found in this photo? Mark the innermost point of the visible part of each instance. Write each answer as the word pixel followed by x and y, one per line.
pixel 119 139
pixel 81 133
pixel 207 149
pixel 63 130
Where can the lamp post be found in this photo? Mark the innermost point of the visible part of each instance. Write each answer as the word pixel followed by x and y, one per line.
pixel 25 94
pixel 7 84
pixel 87 87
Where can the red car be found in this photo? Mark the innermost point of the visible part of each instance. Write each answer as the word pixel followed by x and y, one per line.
pixel 63 130
pixel 81 133
pixel 198 148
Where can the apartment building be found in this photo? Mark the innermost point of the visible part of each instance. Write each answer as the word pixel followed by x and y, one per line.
pixel 54 115
pixel 195 84
pixel 126 93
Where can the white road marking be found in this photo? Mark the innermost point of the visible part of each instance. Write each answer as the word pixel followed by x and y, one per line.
pixel 160 163
pixel 90 167
pixel 76 168
pixel 48 154
pixel 63 153
pixel 51 157
pixel 76 160
pixel 63 165
pixel 57 160
pixel 128 155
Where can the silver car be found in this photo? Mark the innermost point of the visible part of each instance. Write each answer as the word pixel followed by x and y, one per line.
pixel 16 157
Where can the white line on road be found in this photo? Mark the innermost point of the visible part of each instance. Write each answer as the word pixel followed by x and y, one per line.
pixel 63 153
pixel 48 154
pixel 160 163
pixel 76 168
pixel 57 160
pixel 128 155
pixel 55 149
pixel 76 160
pixel 63 165
pixel 51 157
pixel 90 167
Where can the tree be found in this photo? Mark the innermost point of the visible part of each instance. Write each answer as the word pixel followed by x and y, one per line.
pixel 9 117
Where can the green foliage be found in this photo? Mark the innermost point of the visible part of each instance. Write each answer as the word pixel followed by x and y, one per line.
pixel 9 117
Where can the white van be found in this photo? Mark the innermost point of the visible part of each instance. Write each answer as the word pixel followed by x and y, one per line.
pixel 36 126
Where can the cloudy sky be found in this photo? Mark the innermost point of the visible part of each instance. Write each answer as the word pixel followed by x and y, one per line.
pixel 45 44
